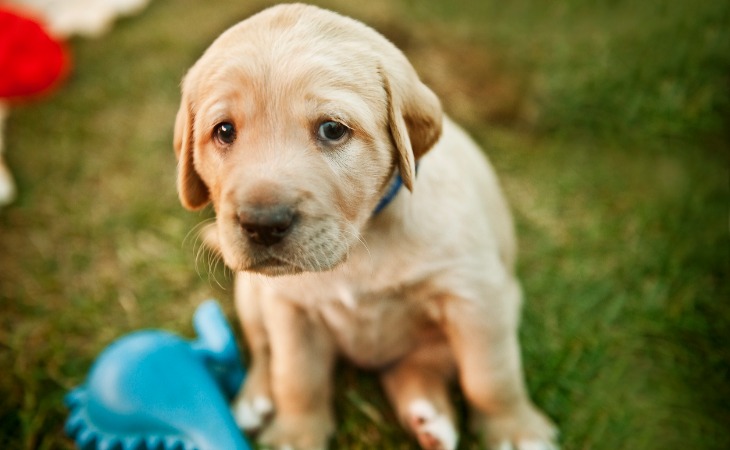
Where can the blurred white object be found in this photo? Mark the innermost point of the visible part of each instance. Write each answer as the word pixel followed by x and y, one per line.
pixel 7 186
pixel 88 18
pixel 64 18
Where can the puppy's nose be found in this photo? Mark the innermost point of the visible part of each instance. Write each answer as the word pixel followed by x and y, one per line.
pixel 266 225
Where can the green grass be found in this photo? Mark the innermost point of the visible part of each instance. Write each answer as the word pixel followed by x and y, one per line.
pixel 607 120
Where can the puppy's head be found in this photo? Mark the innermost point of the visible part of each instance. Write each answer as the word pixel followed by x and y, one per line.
pixel 292 124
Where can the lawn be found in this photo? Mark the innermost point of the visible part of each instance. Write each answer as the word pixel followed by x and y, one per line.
pixel 607 120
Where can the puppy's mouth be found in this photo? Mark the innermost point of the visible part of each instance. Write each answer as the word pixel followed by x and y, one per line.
pixel 310 247
pixel 273 266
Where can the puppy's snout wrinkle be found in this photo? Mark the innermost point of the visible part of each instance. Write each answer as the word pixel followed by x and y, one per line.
pixel 267 224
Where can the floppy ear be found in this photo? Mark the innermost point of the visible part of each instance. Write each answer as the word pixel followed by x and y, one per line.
pixel 415 117
pixel 192 190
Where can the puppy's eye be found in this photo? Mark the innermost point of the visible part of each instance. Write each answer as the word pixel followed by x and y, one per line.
pixel 331 131
pixel 224 133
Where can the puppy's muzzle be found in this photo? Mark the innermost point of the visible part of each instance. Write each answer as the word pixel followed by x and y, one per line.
pixel 266 225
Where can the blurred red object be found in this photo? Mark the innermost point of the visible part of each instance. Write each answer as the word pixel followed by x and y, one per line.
pixel 31 61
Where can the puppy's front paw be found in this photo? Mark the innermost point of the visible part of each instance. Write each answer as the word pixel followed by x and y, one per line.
pixel 434 431
pixel 526 429
pixel 297 433
pixel 252 413
pixel 253 406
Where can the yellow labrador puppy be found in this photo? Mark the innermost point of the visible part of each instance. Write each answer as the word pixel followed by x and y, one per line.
pixel 362 223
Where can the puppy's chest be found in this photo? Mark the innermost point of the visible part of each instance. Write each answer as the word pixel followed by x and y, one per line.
pixel 375 328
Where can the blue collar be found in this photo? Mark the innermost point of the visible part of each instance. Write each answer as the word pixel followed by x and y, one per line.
pixel 395 184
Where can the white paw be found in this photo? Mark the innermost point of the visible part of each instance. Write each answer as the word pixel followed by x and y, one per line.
pixel 527 444
pixel 433 430
pixel 275 447
pixel 308 432
pixel 251 415
pixel 523 428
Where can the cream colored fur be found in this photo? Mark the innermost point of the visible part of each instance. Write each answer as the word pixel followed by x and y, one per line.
pixel 424 292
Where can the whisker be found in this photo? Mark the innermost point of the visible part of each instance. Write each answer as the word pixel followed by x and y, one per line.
pixel 197 243
pixel 205 256
pixel 196 231
pixel 214 260
pixel 214 270
pixel 200 253
pixel 355 233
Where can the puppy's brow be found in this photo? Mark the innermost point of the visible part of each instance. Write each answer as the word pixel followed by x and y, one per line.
pixel 338 116
pixel 217 111
pixel 348 109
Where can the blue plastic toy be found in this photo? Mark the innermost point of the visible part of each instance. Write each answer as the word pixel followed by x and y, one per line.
pixel 152 390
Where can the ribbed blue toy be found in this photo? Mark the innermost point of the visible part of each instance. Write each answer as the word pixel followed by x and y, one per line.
pixel 152 390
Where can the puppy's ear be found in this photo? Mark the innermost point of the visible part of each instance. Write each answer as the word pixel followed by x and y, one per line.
pixel 415 116
pixel 192 190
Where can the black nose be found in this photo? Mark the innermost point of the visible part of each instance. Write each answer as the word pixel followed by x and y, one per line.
pixel 266 225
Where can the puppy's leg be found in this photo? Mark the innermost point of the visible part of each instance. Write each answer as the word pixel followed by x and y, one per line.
pixel 254 405
pixel 418 389
pixel 483 336
pixel 302 358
